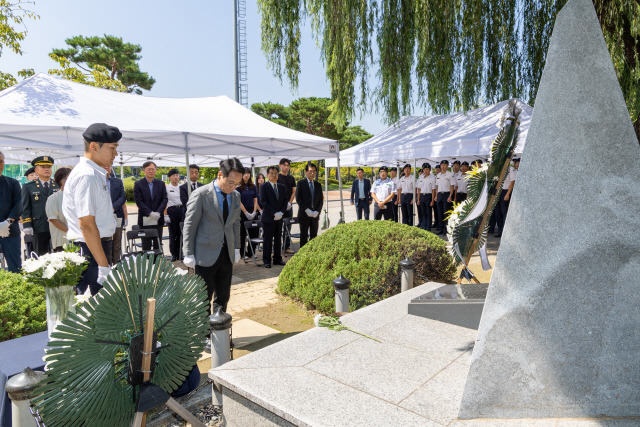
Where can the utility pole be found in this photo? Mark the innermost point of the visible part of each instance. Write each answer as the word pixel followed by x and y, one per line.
pixel 240 52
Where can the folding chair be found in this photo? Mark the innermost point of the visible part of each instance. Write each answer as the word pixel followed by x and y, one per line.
pixel 286 226
pixel 252 225
pixel 142 233
pixel 28 247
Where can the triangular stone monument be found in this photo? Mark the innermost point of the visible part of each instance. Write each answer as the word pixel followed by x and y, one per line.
pixel 559 335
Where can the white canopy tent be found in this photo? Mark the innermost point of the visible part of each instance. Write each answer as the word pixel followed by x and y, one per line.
pixel 463 136
pixel 47 115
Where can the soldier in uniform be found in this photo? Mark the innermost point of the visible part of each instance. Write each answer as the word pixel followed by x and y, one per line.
pixel 446 188
pixel 405 194
pixel 461 189
pixel 426 195
pixel 382 192
pixel 34 202
pixel 31 174
pixel 434 208
pixel 393 175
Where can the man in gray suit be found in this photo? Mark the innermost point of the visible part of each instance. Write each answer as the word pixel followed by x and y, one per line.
pixel 212 231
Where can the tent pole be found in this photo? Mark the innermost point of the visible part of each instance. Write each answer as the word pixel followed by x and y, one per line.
pixel 253 170
pixel 186 157
pixel 326 190
pixel 339 184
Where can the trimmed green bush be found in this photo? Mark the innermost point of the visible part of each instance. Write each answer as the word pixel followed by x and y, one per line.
pixel 128 188
pixel 367 253
pixel 23 309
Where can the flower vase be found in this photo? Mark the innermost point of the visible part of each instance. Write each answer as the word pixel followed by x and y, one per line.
pixel 60 301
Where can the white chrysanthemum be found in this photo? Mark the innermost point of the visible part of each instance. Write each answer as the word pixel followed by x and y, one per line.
pixel 32 264
pixel 317 319
pixel 181 272
pixel 49 272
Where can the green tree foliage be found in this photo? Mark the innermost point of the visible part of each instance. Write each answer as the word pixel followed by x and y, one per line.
pixel 119 58
pixel 367 253
pixel 12 16
pixel 22 307
pixel 97 76
pixel 460 53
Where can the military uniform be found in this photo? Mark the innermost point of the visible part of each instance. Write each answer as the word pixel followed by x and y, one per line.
pixel 394 206
pixel 426 185
pixel 34 202
pixel 444 182
pixel 407 188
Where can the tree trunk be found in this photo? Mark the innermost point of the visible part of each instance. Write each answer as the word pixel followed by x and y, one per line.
pixel 636 126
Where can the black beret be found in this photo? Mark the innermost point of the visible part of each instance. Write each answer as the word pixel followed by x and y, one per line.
pixel 426 166
pixel 383 168
pixel 465 164
pixel 517 159
pixel 437 166
pixel 444 162
pixel 30 171
pixel 457 162
pixel 407 166
pixel 42 161
pixel 172 172
pixel 102 132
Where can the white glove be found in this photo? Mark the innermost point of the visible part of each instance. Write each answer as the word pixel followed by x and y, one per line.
pixel 28 231
pixel 167 220
pixel 103 272
pixel 154 215
pixel 125 223
pixel 309 212
pixel 315 214
pixel 252 215
pixel 237 255
pixel 278 216
pixel 189 261
pixel 4 229
pixel 288 205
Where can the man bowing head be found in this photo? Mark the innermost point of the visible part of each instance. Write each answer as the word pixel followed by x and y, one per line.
pixel 211 234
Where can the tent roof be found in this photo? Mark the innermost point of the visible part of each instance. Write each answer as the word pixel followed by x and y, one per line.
pixel 46 113
pixel 464 136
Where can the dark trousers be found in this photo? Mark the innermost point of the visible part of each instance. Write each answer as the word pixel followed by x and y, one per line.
pixel 90 276
pixel 434 210
pixel 501 211
pixel 420 214
pixel 362 206
pixel 218 279
pixel 11 252
pixel 308 229
pixel 394 209
pixel 175 216
pixel 272 242
pixel 285 236
pixel 252 234
pixel 443 208
pixel 41 243
pixel 386 213
pixel 461 197
pixel 116 253
pixel 407 208
pixel 425 208
pixel 146 243
pixel 492 218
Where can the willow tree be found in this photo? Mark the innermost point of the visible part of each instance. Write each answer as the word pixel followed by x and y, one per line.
pixel 443 55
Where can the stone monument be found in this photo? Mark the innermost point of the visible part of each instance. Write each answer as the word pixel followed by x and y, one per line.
pixel 559 332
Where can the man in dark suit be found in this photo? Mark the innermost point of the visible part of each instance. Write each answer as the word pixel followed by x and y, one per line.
pixel 310 199
pixel 194 175
pixel 274 203
pixel 150 195
pixel 118 199
pixel 361 194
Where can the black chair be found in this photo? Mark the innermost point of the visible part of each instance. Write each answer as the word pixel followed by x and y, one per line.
pixel 287 222
pixel 252 225
pixel 28 247
pixel 134 241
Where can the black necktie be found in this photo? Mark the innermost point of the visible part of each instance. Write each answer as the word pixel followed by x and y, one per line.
pixel 193 187
pixel 275 188
pixel 225 208
pixel 311 189
pixel 46 188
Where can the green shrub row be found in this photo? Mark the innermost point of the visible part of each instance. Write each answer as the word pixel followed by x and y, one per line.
pixel 22 307
pixel 368 253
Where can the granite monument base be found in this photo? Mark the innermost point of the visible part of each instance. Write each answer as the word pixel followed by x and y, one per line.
pixel 459 305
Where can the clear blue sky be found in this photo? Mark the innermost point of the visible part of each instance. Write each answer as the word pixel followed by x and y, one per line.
pixel 187 47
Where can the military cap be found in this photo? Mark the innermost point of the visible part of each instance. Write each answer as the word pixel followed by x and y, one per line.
pixel 30 171
pixel 407 166
pixel 444 162
pixel 457 162
pixel 383 168
pixel 102 132
pixel 172 172
pixel 465 164
pixel 42 161
pixel 426 166
pixel 516 159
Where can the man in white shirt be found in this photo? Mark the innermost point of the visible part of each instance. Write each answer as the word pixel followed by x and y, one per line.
pixel 393 174
pixel 382 192
pixel 86 204
pixel 173 213
pixel 505 196
pixel 446 189
pixel 405 194
pixel 426 196
pixel 461 188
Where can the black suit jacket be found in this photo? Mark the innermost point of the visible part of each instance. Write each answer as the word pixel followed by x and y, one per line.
pixel 184 192
pixel 118 197
pixel 355 191
pixel 143 199
pixel 303 198
pixel 270 203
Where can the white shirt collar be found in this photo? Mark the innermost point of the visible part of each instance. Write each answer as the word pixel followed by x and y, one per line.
pixel 101 171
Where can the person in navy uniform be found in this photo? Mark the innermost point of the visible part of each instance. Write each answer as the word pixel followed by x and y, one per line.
pixel 150 195
pixel 310 200
pixel 118 201
pixel 361 194
pixel 34 202
pixel 10 210
pixel 31 174
pixel 174 213
pixel 274 201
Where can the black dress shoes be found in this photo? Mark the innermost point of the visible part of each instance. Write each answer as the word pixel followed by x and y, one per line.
pixel 267 266
pixel 280 263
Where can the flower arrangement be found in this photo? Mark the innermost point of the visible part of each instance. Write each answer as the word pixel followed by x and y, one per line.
pixel 55 270
pixel 333 323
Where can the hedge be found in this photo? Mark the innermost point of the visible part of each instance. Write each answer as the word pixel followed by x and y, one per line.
pixel 22 307
pixel 368 253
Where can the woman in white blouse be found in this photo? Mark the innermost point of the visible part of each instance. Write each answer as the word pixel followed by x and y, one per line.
pixel 57 222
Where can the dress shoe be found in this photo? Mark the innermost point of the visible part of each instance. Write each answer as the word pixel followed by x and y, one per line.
pixel 173 258
pixel 280 263
pixel 267 266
